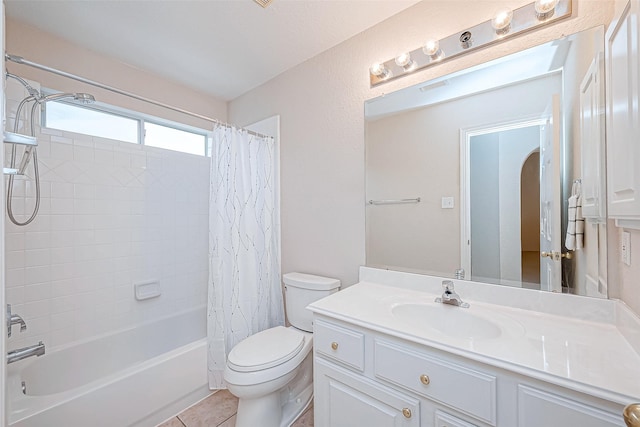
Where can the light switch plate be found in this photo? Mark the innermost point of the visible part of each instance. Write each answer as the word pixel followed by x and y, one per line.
pixel 447 203
pixel 625 250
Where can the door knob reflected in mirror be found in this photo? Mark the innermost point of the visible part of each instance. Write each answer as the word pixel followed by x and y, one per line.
pixel 631 415
pixel 556 255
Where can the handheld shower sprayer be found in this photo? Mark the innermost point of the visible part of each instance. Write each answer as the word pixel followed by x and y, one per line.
pixel 30 152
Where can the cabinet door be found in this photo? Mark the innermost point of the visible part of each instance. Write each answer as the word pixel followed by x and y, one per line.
pixel 623 117
pixel 343 399
pixel 446 420
pixel 537 408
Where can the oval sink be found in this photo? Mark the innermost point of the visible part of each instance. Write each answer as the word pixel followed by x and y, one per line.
pixel 448 320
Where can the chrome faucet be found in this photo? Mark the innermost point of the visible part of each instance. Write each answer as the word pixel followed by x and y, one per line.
pixel 14 319
pixel 23 353
pixel 449 296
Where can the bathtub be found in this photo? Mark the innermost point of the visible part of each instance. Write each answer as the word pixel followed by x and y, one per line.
pixel 135 377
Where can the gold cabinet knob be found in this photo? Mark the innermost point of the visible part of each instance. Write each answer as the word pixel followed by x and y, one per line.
pixel 334 345
pixel 424 379
pixel 406 412
pixel 544 254
pixel 631 415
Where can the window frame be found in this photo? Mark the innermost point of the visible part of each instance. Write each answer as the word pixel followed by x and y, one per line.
pixel 141 118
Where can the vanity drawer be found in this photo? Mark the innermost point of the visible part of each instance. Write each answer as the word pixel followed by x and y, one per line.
pixel 339 343
pixel 469 391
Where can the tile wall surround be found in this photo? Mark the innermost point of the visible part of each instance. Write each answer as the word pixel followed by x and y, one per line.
pixel 112 214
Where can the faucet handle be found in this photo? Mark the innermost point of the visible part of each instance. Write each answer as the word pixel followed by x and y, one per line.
pixel 447 285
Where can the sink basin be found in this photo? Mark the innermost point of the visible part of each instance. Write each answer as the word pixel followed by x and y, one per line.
pixel 448 320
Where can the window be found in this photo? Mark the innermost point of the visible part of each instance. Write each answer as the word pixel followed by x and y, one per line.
pixel 113 123
pixel 174 139
pixel 73 118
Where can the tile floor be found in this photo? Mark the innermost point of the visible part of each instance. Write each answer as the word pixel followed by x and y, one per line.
pixel 219 410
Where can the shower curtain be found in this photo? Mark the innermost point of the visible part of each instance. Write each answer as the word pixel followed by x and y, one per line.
pixel 245 294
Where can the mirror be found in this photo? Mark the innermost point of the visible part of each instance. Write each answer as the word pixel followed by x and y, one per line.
pixel 476 171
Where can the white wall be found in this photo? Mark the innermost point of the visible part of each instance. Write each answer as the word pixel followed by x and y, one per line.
pixel 322 124
pixel 112 214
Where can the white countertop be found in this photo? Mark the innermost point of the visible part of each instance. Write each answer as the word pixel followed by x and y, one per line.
pixel 590 356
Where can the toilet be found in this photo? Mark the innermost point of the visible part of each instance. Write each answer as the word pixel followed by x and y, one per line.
pixel 271 372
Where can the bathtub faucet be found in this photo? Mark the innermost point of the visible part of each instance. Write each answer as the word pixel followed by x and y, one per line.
pixel 23 353
pixel 14 319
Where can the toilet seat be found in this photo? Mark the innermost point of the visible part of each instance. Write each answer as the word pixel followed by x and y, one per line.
pixel 266 349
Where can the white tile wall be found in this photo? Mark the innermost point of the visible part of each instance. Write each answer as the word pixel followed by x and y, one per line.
pixel 112 214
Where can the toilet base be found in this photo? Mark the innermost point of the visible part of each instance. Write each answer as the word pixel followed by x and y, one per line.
pixel 280 408
pixel 268 411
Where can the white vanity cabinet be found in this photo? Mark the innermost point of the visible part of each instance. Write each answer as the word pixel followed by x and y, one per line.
pixel 368 378
pixel 623 116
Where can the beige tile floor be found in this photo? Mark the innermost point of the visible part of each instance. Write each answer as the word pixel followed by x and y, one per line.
pixel 219 410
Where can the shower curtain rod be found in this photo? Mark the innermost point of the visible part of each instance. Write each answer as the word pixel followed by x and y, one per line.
pixel 20 60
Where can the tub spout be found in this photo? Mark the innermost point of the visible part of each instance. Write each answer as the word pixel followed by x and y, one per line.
pixel 23 353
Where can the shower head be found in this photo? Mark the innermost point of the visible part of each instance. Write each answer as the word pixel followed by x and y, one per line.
pixel 83 98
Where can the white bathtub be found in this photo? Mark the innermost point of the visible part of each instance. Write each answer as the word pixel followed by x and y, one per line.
pixel 135 377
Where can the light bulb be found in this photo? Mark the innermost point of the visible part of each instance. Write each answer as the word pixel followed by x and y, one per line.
pixel 432 49
pixel 379 70
pixel 545 8
pixel 501 22
pixel 404 60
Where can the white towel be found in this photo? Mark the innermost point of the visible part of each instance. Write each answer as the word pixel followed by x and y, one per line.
pixel 575 227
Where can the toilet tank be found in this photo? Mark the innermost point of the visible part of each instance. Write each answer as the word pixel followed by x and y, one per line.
pixel 300 291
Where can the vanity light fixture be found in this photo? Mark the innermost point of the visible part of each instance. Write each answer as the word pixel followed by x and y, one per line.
pixel 501 22
pixel 505 23
pixel 545 8
pixel 432 50
pixel 404 60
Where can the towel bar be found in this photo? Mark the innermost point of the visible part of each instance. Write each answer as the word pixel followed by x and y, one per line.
pixel 394 201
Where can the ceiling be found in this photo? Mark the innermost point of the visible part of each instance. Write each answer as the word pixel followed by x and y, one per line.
pixel 221 47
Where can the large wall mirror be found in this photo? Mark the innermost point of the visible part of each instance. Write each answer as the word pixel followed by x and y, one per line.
pixel 497 170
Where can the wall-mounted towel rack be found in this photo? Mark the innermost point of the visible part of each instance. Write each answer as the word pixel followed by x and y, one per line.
pixel 394 201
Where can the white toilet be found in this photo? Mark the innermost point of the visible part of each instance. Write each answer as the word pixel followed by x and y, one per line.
pixel 271 372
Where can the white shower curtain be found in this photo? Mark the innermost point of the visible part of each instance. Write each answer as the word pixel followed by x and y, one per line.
pixel 245 294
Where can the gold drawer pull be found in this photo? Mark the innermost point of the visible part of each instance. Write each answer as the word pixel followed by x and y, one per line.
pixel 334 345
pixel 631 415
pixel 424 379
pixel 406 412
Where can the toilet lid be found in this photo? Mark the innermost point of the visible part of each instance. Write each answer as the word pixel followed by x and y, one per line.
pixel 265 349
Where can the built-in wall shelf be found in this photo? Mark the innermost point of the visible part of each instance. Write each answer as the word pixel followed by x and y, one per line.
pixel 17 138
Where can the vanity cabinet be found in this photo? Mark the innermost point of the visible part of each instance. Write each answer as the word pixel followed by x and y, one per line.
pixel 623 116
pixel 401 383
